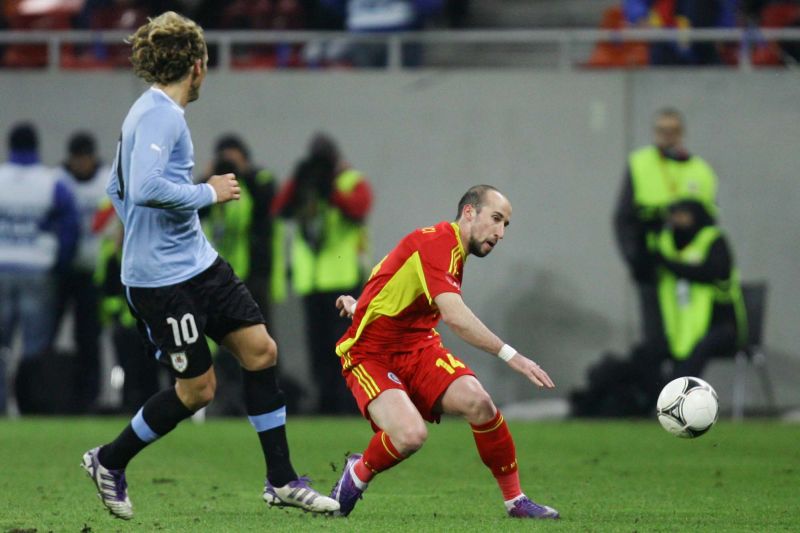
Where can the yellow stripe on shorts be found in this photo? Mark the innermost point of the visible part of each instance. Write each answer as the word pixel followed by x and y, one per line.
pixel 371 390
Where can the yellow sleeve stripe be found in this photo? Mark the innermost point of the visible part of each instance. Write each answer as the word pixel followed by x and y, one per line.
pixel 455 256
pixel 366 381
pixel 499 423
pixel 456 230
pixel 386 447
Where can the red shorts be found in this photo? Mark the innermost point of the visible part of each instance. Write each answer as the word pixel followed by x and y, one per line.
pixel 424 374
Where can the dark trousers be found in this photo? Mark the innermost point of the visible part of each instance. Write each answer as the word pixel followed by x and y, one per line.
pixel 77 288
pixel 324 327
pixel 141 370
pixel 258 285
pixel 652 331
pixel 719 342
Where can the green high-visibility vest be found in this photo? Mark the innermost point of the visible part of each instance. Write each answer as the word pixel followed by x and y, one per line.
pixel 228 229
pixel 659 181
pixel 687 306
pixel 112 306
pixel 337 264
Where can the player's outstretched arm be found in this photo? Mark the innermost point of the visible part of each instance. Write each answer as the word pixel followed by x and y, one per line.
pixel 469 327
pixel 346 305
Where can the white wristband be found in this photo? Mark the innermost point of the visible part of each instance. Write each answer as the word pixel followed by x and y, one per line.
pixel 506 353
pixel 213 193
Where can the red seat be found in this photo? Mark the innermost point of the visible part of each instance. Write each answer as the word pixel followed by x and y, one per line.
pixel 776 15
pixel 617 55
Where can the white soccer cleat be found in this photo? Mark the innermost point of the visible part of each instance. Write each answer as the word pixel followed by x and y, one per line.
pixel 298 493
pixel 112 488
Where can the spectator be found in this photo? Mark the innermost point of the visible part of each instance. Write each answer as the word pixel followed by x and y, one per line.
pixel 682 14
pixel 702 314
pixel 244 233
pixel 370 16
pixel 86 177
pixel 329 201
pixel 38 233
pixel 655 177
pixel 698 289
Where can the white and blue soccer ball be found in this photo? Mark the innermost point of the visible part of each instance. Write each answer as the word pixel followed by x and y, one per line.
pixel 687 407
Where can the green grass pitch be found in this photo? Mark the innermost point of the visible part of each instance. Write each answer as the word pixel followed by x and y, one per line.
pixel 602 476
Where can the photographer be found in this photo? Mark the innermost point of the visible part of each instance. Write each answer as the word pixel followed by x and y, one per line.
pixel 329 201
pixel 244 233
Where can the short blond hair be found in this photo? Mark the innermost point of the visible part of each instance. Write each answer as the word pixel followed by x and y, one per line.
pixel 164 50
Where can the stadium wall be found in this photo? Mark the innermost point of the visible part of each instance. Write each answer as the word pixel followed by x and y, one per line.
pixel 554 142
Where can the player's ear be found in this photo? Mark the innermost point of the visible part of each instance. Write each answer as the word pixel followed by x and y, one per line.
pixel 469 211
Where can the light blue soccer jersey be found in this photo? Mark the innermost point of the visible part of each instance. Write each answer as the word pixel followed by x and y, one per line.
pixel 153 193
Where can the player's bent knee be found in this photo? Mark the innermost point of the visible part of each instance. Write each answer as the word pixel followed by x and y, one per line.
pixel 467 398
pixel 197 393
pixel 478 407
pixel 482 409
pixel 411 439
pixel 264 354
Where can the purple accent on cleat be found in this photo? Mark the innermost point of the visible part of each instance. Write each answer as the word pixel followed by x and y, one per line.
pixel 345 491
pixel 527 508
pixel 303 482
pixel 298 493
pixel 111 485
pixel 116 478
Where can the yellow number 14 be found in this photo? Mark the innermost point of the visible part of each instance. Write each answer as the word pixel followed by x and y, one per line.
pixel 451 366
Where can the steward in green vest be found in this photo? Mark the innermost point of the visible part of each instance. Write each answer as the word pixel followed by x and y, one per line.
pixel 245 233
pixel 698 289
pixel 247 236
pixel 656 176
pixel 329 202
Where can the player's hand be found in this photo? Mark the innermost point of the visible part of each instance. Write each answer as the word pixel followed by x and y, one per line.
pixel 226 187
pixel 532 371
pixel 346 305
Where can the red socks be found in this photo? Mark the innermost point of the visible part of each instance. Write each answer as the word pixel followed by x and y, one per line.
pixel 496 448
pixel 380 455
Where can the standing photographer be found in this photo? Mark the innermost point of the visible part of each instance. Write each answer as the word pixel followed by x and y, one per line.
pixel 244 234
pixel 329 201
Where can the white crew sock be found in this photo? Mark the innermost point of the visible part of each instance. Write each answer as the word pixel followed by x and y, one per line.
pixel 362 486
pixel 510 503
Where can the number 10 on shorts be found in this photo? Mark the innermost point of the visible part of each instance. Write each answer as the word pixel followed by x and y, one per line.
pixel 184 331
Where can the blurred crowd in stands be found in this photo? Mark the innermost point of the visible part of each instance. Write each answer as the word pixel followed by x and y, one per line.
pixel 381 16
pixel 363 16
pixel 699 14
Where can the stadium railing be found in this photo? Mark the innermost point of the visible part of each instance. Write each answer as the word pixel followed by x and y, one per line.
pixel 565 45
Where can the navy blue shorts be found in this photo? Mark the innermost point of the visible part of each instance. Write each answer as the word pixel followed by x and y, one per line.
pixel 175 319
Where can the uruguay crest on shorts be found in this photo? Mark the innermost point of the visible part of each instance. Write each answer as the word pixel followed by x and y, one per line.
pixel 179 361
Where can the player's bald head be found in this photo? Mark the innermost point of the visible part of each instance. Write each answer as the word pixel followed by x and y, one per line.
pixel 477 197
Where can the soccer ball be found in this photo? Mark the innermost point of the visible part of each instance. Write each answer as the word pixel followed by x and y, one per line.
pixel 687 407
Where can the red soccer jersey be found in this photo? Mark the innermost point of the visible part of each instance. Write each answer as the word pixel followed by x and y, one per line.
pixel 396 311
